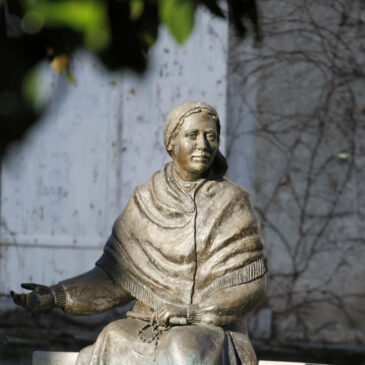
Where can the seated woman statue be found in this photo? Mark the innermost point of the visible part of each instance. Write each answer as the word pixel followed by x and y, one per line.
pixel 187 248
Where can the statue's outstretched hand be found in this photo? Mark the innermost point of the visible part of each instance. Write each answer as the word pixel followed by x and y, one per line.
pixel 40 298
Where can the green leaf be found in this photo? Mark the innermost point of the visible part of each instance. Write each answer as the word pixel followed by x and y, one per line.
pixel 178 15
pixel 148 37
pixel 136 9
pixel 87 17
pixel 30 87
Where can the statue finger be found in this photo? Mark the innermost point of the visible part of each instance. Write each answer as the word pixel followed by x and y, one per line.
pixel 29 286
pixel 154 318
pixel 162 316
pixel 18 299
pixel 165 318
pixel 15 296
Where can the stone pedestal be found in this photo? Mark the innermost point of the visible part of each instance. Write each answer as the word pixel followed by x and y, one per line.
pixel 54 358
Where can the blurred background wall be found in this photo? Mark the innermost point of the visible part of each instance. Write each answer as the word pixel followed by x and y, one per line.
pixel 293 116
pixel 298 103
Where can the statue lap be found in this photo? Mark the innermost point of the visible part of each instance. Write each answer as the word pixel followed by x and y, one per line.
pixel 120 343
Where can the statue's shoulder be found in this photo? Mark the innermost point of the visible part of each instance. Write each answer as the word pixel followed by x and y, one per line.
pixel 157 180
pixel 140 198
pixel 233 189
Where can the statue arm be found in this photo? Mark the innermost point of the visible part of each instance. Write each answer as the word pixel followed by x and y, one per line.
pixel 230 304
pixel 226 306
pixel 89 293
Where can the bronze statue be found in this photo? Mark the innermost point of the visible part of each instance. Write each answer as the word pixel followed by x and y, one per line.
pixel 187 247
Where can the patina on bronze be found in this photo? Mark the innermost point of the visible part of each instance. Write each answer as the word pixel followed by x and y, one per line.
pixel 187 247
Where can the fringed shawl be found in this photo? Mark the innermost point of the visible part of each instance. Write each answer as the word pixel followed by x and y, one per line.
pixel 175 246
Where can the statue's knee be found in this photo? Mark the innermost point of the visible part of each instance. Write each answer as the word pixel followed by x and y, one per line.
pixel 108 328
pixel 117 330
pixel 180 350
pixel 108 332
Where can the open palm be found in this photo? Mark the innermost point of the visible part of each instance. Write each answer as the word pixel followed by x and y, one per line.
pixel 40 298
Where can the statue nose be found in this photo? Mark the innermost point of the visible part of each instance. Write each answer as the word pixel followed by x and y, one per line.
pixel 201 143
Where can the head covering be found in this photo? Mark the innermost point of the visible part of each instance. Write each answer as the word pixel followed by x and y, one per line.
pixel 175 119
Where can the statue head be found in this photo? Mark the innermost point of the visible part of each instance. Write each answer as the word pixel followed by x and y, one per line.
pixel 191 137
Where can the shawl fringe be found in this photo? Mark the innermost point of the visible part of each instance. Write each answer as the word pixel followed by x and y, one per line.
pixel 245 274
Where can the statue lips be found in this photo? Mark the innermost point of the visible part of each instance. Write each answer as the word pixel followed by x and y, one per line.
pixel 201 158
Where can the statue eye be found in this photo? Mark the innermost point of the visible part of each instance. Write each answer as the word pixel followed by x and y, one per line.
pixel 211 137
pixel 192 135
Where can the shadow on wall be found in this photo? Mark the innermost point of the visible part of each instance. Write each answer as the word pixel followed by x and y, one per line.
pixel 305 91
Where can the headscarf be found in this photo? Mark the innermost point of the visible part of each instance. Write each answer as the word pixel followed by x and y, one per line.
pixel 176 118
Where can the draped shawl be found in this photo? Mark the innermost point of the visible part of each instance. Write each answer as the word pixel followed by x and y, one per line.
pixel 178 243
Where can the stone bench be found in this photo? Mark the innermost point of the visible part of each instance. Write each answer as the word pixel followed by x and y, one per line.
pixel 54 358
pixel 69 358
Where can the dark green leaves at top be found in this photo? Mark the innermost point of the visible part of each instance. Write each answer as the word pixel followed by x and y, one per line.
pixel 87 17
pixel 137 7
pixel 178 16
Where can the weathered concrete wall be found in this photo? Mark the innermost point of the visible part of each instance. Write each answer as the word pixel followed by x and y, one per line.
pixel 308 138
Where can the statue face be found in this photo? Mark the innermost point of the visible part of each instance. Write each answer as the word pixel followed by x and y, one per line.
pixel 195 145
